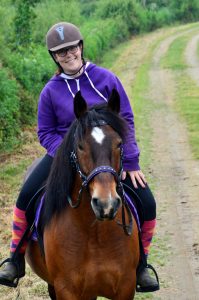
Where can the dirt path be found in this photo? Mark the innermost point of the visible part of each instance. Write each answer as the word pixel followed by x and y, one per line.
pixel 177 175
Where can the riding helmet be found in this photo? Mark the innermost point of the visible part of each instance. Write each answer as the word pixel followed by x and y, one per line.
pixel 62 35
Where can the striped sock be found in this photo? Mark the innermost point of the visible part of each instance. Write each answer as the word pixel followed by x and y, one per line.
pixel 147 232
pixel 18 229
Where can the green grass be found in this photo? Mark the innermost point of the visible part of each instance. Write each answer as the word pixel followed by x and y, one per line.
pixel 188 106
pixel 174 59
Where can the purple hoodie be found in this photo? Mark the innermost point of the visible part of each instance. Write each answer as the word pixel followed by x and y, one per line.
pixel 55 110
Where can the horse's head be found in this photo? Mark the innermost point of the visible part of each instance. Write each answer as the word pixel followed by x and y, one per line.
pixel 97 153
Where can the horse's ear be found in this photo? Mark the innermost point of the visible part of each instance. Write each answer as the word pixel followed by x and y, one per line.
pixel 80 106
pixel 114 101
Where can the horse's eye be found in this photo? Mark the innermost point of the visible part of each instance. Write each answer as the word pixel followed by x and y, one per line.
pixel 119 145
pixel 80 147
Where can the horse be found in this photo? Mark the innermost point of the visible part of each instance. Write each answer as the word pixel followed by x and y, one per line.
pixel 86 252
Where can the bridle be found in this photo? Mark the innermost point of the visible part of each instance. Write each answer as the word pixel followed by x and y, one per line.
pixel 118 178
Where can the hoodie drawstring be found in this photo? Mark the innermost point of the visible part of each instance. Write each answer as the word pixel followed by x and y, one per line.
pixel 78 84
pixel 69 88
pixel 91 83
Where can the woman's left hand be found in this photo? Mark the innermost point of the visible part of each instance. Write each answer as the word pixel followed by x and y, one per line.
pixel 136 176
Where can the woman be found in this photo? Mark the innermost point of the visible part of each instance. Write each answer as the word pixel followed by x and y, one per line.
pixel 55 115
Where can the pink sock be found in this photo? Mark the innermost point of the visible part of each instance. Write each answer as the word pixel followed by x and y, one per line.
pixel 18 229
pixel 147 232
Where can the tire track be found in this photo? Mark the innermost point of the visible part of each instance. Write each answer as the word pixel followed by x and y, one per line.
pixel 193 59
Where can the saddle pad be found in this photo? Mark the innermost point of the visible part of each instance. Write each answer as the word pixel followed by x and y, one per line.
pixel 34 235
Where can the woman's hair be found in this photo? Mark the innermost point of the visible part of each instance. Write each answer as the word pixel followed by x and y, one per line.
pixel 58 71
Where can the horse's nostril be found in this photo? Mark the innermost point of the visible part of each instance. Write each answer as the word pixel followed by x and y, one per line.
pixel 95 201
pixel 117 202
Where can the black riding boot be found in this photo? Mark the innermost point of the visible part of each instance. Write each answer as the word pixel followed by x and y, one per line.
pixel 13 270
pixel 145 282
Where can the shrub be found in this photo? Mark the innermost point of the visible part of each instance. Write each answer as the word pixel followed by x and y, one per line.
pixel 185 10
pixel 100 35
pixel 9 111
pixel 127 10
pixel 32 67
pixel 164 17
pixel 50 12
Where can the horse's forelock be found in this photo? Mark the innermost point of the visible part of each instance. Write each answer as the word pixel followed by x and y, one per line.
pixel 100 113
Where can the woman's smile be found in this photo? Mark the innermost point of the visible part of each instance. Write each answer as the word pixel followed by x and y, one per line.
pixel 70 63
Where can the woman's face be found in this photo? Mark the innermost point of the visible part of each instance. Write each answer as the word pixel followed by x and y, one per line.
pixel 69 59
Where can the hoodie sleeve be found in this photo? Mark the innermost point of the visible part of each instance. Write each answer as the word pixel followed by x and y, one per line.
pixel 131 150
pixel 47 134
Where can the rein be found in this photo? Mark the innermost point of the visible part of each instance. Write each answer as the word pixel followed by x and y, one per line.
pixel 104 169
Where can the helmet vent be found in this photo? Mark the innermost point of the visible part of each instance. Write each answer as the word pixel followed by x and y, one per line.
pixel 60 31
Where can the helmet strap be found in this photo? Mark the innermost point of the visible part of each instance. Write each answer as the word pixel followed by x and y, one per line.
pixel 83 64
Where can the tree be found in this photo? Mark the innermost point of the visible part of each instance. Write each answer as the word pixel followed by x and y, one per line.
pixel 23 21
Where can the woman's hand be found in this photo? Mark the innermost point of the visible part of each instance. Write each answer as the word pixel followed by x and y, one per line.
pixel 136 176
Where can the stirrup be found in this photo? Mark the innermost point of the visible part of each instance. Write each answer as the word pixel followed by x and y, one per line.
pixel 149 288
pixel 15 282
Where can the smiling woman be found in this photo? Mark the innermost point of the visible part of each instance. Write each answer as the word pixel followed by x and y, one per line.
pixel 65 44
pixel 70 59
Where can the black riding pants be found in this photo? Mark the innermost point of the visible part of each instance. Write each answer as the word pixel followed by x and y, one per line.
pixel 145 196
pixel 41 172
pixel 34 182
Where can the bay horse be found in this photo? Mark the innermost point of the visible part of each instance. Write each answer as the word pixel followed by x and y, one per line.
pixel 85 253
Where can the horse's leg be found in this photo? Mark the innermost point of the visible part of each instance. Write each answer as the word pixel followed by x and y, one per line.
pixel 51 292
pixel 126 290
pixel 65 294
pixel 129 296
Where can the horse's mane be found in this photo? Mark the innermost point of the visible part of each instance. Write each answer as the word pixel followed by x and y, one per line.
pixel 62 174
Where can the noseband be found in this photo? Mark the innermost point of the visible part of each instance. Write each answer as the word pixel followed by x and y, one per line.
pixel 118 177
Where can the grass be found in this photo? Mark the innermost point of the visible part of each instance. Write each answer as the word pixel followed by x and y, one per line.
pixel 188 106
pixel 174 58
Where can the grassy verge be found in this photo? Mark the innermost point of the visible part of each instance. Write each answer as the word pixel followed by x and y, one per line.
pixel 187 91
pixel 188 106
pixel 174 59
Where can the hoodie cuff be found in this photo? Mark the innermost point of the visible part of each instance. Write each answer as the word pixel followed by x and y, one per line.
pixel 131 165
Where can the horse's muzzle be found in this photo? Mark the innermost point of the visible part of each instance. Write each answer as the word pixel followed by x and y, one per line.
pixel 105 209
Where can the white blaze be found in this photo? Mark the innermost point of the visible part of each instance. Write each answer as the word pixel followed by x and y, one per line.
pixel 98 134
